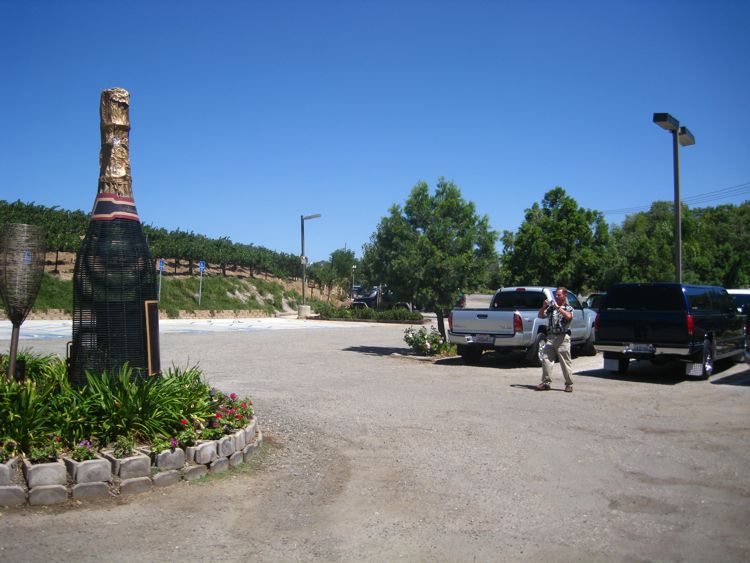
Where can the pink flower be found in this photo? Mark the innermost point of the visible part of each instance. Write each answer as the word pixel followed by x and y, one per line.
pixel 233 396
pixel 244 405
pixel 183 422
pixel 219 415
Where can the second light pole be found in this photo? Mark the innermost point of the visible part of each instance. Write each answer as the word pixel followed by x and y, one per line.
pixel 685 138
pixel 303 258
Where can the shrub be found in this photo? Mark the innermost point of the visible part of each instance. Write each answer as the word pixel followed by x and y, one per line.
pixel 426 343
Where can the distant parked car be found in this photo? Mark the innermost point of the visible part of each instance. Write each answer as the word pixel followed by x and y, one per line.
pixel 379 298
pixel 740 296
pixel 594 301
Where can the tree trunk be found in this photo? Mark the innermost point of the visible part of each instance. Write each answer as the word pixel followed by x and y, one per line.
pixel 441 323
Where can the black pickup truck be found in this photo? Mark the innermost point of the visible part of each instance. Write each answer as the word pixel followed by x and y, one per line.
pixel 669 321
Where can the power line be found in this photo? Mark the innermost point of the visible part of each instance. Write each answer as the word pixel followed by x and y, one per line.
pixel 715 195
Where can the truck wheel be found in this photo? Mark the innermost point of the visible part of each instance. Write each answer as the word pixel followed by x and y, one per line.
pixel 588 348
pixel 534 353
pixel 470 355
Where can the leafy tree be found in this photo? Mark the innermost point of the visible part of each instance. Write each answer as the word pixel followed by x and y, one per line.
pixel 645 243
pixel 429 249
pixel 558 243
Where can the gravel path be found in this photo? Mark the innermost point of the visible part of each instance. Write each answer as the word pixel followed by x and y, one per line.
pixel 375 456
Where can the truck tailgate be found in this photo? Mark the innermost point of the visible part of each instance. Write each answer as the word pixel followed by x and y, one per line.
pixel 642 326
pixel 482 321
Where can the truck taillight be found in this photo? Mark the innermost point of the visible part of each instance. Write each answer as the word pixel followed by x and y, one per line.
pixel 450 320
pixel 690 321
pixel 517 323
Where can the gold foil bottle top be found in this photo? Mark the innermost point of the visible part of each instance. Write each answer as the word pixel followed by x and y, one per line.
pixel 114 156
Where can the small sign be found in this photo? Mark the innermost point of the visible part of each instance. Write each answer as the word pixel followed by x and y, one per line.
pixel 202 265
pixel 303 260
pixel 27 257
pixel 161 265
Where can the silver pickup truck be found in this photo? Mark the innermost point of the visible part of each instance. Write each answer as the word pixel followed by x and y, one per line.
pixel 511 323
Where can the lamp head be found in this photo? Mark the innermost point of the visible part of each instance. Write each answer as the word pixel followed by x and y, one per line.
pixel 685 137
pixel 666 121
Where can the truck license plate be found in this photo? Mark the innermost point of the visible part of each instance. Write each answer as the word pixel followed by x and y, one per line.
pixel 484 339
pixel 641 348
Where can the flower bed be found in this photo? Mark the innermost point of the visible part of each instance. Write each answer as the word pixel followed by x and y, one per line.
pixel 61 480
pixel 184 428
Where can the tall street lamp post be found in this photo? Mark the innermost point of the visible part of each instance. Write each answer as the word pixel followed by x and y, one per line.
pixel 303 258
pixel 685 138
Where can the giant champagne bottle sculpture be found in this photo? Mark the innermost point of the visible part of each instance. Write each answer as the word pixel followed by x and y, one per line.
pixel 115 312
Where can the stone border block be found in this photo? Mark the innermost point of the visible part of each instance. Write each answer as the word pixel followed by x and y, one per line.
pixel 239 440
pixel 219 466
pixel 250 431
pixel 205 452
pixel 236 459
pixel 138 465
pixel 97 489
pixel 89 471
pixel 193 472
pixel 168 459
pixel 166 478
pixel 225 446
pixel 12 495
pixel 48 494
pixel 6 471
pixel 42 474
pixel 135 485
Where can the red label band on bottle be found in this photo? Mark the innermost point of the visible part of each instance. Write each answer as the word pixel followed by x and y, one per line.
pixel 110 206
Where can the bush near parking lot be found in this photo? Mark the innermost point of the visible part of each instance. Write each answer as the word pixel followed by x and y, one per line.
pixel 329 311
pixel 427 343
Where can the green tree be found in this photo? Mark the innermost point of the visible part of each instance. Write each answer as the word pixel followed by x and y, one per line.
pixel 645 244
pixel 559 243
pixel 434 245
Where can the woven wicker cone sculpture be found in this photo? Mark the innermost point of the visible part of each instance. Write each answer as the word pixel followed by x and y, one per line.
pixel 21 269
pixel 115 313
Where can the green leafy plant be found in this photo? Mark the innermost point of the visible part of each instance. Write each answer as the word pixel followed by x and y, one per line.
pixel 124 447
pixel 45 451
pixel 426 343
pixel 161 443
pixel 187 436
pixel 84 451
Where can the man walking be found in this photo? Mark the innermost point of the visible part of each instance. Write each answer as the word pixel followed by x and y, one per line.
pixel 559 313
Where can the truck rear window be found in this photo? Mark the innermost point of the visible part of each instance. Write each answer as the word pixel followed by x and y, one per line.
pixel 645 297
pixel 513 300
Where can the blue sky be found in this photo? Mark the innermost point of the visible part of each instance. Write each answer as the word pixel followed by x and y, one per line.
pixel 246 115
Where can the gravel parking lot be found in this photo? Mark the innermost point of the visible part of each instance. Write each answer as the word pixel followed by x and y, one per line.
pixel 371 455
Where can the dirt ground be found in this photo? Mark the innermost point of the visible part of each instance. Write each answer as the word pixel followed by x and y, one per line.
pixel 375 456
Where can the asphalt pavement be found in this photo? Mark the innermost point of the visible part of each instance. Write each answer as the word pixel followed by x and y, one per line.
pixel 373 455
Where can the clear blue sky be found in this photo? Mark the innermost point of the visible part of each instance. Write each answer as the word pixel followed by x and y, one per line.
pixel 246 115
